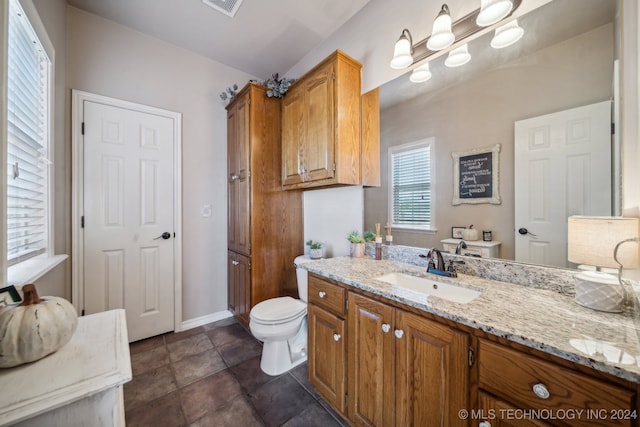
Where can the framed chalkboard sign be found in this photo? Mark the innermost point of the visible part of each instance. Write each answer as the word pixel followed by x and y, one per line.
pixel 476 176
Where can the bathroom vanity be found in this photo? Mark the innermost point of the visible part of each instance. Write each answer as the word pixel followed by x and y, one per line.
pixel 383 354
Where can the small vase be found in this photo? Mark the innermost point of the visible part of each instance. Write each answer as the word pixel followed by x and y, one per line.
pixel 357 250
pixel 315 253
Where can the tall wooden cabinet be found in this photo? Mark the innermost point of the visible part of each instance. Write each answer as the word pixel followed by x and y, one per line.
pixel 321 126
pixel 264 222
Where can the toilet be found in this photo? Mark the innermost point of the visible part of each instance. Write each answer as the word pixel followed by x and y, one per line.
pixel 281 324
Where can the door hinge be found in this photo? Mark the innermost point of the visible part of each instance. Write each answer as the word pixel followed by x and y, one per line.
pixel 249 266
pixel 471 356
pixel 82 314
pixel 346 400
pixel 82 128
pixel 333 75
pixel 333 167
pixel 249 174
pixel 613 128
pixel 82 221
pixel 347 305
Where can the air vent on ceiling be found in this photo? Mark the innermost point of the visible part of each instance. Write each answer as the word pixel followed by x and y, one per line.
pixel 228 7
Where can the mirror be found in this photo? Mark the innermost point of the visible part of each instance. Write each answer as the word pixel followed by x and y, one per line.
pixel 564 60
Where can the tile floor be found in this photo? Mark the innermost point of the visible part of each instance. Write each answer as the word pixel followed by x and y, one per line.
pixel 210 376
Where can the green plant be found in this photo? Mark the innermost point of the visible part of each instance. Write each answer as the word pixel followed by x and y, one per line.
pixel 369 236
pixel 355 237
pixel 314 245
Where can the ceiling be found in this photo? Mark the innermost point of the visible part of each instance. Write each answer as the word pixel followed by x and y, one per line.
pixel 263 38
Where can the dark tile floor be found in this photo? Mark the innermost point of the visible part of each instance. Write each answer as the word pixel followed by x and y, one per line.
pixel 210 376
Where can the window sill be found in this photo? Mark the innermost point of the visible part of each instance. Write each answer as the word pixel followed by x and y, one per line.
pixel 32 269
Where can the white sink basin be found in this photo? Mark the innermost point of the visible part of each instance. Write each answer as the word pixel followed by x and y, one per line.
pixel 428 287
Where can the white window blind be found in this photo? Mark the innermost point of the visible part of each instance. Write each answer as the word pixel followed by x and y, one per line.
pixel 28 128
pixel 410 181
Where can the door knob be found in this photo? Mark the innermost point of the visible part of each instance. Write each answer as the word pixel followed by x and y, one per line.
pixel 166 235
pixel 524 231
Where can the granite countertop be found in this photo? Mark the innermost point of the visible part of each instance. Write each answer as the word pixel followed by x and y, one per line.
pixel 538 318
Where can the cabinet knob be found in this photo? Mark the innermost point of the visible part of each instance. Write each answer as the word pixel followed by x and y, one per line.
pixel 336 337
pixel 541 391
pixel 484 424
pixel 386 327
pixel 322 294
pixel 398 333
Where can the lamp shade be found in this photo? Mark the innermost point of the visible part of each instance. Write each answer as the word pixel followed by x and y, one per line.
pixel 492 11
pixel 507 35
pixel 421 74
pixel 441 34
pixel 458 56
pixel 402 55
pixel 592 240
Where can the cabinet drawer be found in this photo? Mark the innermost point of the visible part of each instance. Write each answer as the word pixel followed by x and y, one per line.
pixel 513 375
pixel 327 295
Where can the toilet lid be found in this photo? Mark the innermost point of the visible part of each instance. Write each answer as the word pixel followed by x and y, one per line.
pixel 278 309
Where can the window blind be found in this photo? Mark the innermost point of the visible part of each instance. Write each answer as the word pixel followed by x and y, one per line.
pixel 28 126
pixel 411 186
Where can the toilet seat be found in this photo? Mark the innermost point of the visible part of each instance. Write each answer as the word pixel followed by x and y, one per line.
pixel 278 310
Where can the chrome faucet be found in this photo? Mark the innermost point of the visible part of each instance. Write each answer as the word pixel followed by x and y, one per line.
pixel 460 246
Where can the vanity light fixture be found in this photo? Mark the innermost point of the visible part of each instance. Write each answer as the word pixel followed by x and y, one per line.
pixel 403 51
pixel 602 242
pixel 507 35
pixel 458 56
pixel 421 74
pixel 444 34
pixel 441 35
pixel 492 11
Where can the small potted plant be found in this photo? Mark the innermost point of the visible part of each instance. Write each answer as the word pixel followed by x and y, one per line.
pixel 357 244
pixel 370 236
pixel 315 249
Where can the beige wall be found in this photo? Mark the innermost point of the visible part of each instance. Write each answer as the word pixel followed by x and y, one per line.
pixel 481 113
pixel 111 60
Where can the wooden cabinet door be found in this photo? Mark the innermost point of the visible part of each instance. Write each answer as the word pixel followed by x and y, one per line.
pixel 293 131
pixel 327 366
pixel 370 362
pixel 317 148
pixel 432 372
pixel 239 184
pixel 239 286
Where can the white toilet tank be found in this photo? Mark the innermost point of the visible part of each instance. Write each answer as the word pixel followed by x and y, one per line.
pixel 302 276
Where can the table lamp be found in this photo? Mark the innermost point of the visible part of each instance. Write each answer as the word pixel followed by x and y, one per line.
pixel 602 242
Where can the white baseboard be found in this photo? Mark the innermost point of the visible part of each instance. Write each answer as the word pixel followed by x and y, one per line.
pixel 203 320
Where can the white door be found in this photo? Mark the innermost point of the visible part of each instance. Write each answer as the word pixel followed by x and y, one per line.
pixel 129 216
pixel 562 168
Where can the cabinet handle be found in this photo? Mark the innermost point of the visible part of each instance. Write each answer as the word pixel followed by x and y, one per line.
pixel 322 294
pixel 386 327
pixel 398 333
pixel 336 337
pixel 541 391
pixel 484 424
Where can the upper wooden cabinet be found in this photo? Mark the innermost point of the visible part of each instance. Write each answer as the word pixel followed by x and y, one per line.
pixel 322 126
